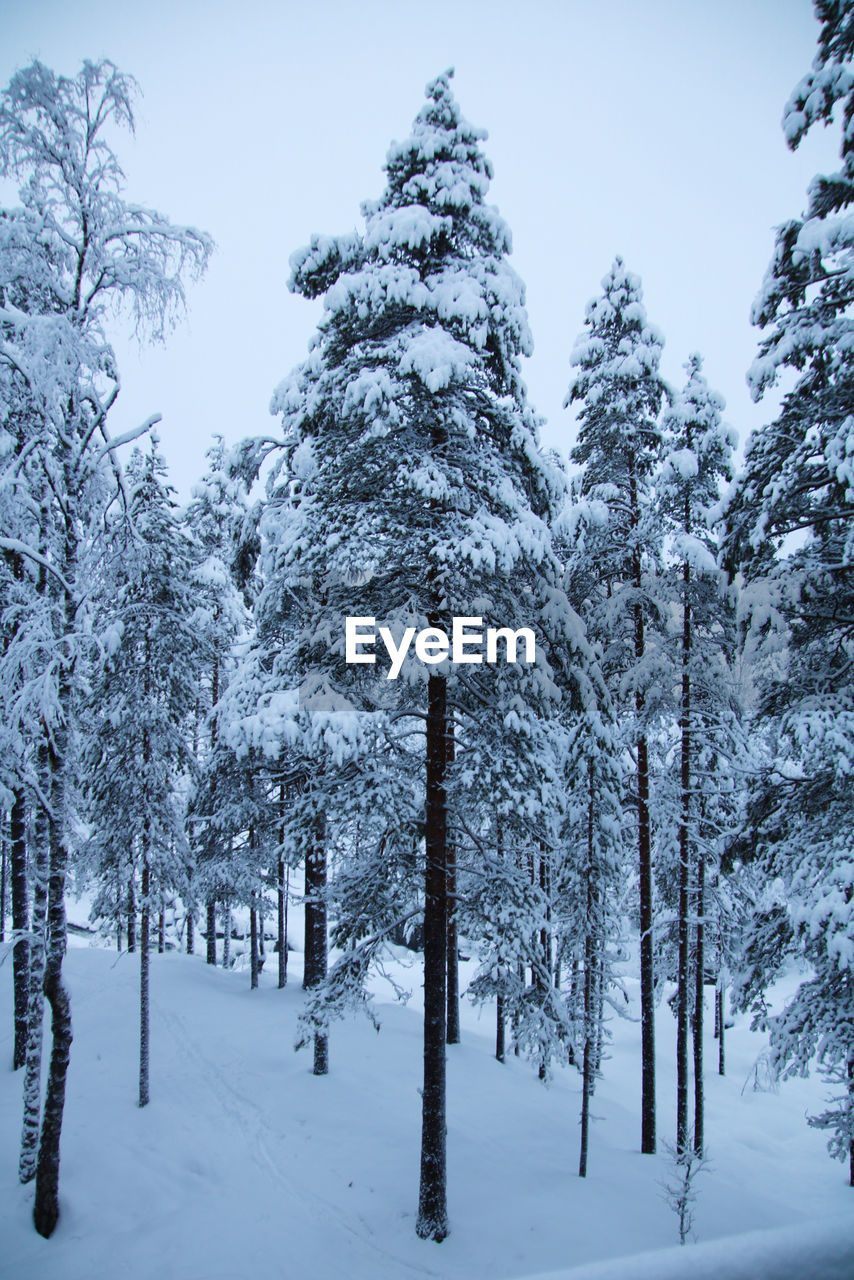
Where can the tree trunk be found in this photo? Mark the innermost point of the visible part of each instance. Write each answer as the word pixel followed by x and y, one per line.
pixel 314 971
pixel 647 976
pixel 35 1023
pixel 499 1029
pixel 191 940
pixel 699 1136
pixel 589 991
pixel 226 936
pixel 253 945
pixel 21 947
pixel 4 876
pixel 161 929
pixel 432 1222
pixel 131 916
pixel 684 869
pixel 720 1007
pixel 452 1032
pixel 144 977
pixel 46 1206
pixel 210 930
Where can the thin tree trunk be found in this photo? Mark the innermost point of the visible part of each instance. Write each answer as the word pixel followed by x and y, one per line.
pixel 589 991
pixel 699 1136
pixel 684 869
pixel 161 929
pixel 21 948
pixel 544 982
pixel 35 1024
pixel 253 945
pixel 4 869
pixel 851 1105
pixel 314 972
pixel 647 976
pixel 210 930
pixel 144 983
pixel 452 1033
pixel 226 938
pixel 432 1222
pixel 191 940
pixel 46 1206
pixel 500 1051
pixel 131 916
pixel 720 1007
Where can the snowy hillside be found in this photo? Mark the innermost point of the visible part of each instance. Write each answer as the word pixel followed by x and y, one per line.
pixel 245 1164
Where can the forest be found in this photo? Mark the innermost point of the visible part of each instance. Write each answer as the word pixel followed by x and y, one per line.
pixel 635 823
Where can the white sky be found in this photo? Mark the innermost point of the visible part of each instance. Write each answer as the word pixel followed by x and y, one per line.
pixel 649 128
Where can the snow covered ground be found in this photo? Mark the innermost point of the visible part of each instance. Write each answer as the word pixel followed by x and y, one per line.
pixel 246 1165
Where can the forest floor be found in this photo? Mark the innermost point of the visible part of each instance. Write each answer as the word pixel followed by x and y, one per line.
pixel 244 1165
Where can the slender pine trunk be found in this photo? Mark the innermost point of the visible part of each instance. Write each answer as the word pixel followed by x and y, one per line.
pixel 144 981
pixel 210 931
pixel 684 875
pixel 500 1049
pixel 720 1009
pixel 191 940
pixel 453 978
pixel 589 988
pixel 20 925
pixel 253 946
pixel 4 876
pixel 314 972
pixel 647 975
pixel 131 911
pixel 432 1222
pixel 226 936
pixel 161 929
pixel 699 1108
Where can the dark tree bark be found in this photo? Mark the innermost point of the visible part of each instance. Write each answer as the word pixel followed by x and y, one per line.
pixel 314 972
pixel 35 1020
pixel 144 984
pixel 191 940
pixel 432 1222
pixel 684 876
pixel 699 960
pixel 20 924
pixel 452 1032
pixel 131 910
pixel 161 930
pixel 210 930
pixel 500 1049
pixel 647 978
pixel 282 900
pixel 46 1206
pixel 720 1014
pixel 590 948
pixel 226 935
pixel 253 948
pixel 4 876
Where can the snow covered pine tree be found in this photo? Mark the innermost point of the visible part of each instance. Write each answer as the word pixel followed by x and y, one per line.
pixel 73 251
pixel 791 530
pixel 415 493
pixel 619 445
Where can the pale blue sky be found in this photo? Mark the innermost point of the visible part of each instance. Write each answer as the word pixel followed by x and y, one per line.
pixel 648 128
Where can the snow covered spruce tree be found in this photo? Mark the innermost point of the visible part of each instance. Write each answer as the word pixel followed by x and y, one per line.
pixel 138 755
pixel 697 463
pixel 619 393
pixel 417 494
pixel 791 531
pixel 73 251
pixel 215 518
